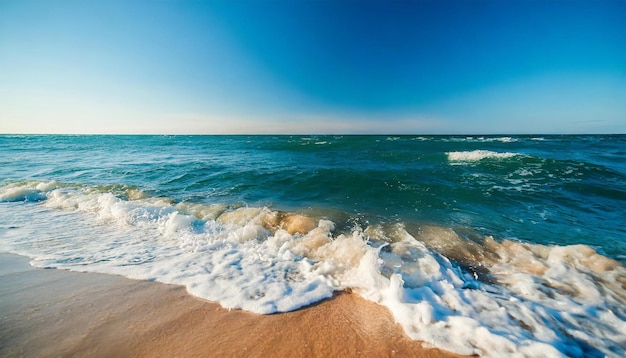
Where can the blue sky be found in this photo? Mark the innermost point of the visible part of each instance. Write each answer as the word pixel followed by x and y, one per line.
pixel 313 66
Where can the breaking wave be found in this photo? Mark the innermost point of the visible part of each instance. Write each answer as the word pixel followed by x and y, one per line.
pixel 450 287
pixel 477 155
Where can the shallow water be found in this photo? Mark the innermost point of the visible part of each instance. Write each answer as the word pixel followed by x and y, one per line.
pixel 480 245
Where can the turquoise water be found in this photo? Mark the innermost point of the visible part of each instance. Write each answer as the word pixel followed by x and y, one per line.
pixel 474 205
pixel 554 190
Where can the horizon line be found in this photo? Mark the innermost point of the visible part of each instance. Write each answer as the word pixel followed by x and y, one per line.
pixel 311 134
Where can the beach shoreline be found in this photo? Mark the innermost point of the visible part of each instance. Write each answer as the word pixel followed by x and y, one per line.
pixel 48 312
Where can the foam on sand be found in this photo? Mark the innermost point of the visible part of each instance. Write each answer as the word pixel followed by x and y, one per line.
pixel 110 316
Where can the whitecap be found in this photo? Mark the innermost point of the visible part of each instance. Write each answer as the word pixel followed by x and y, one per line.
pixel 477 155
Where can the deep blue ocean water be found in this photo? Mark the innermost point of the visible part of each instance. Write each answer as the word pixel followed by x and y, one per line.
pixel 444 194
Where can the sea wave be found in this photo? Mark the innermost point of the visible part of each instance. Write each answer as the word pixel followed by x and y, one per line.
pixel 480 139
pixel 477 155
pixel 449 287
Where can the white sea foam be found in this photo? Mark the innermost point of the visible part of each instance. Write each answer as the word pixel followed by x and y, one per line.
pixel 496 139
pixel 549 301
pixel 477 155
pixel 481 139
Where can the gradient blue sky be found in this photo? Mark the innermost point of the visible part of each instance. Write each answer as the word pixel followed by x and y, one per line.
pixel 313 66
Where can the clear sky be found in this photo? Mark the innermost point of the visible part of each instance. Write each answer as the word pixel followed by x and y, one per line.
pixel 423 67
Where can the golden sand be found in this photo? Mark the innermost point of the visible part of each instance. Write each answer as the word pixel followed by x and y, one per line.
pixel 51 313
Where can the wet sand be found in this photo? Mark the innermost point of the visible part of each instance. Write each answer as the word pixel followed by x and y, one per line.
pixel 52 313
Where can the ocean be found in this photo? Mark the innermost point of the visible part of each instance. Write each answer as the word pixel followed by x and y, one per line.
pixel 489 245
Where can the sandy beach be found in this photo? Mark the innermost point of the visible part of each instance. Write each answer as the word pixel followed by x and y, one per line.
pixel 51 313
